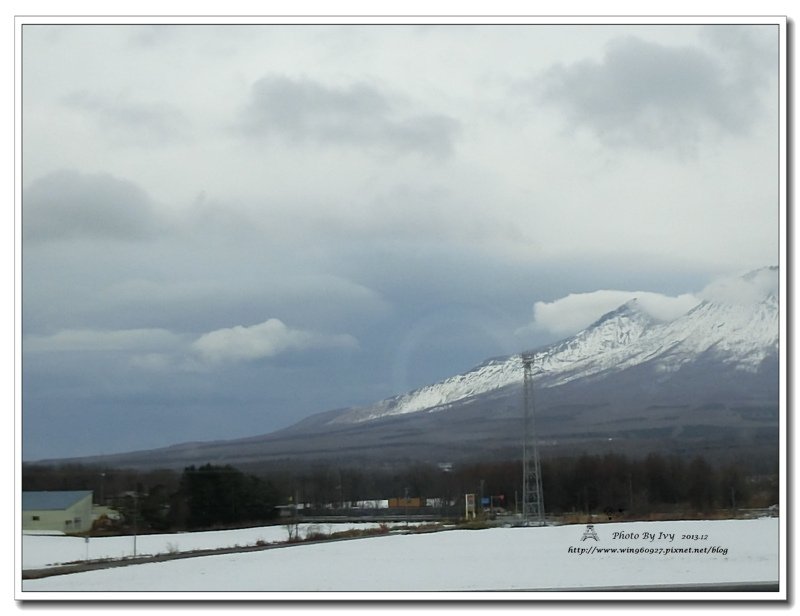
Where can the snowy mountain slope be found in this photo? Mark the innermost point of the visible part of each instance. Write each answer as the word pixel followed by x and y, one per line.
pixel 741 336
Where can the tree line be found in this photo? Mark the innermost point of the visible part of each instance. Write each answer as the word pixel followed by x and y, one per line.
pixel 616 484
pixel 212 496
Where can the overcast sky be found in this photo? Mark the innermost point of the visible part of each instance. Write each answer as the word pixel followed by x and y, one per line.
pixel 228 228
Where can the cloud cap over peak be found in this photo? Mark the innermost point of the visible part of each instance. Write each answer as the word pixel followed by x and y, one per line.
pixel 751 288
pixel 576 311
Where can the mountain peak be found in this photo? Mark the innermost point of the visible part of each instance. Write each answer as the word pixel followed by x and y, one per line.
pixel 631 309
pixel 626 322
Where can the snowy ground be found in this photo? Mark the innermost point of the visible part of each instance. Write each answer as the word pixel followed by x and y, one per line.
pixel 41 551
pixel 507 559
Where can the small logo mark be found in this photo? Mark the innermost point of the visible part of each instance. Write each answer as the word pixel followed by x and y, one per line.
pixel 590 533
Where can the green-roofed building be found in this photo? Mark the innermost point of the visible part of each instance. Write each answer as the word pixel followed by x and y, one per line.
pixel 68 511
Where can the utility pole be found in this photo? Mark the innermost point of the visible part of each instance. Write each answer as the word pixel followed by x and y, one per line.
pixel 135 518
pixel 532 500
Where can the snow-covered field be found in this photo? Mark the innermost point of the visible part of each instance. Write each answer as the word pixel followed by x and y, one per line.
pixel 41 551
pixel 498 559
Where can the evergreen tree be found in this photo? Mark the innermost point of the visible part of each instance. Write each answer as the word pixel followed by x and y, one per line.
pixel 223 495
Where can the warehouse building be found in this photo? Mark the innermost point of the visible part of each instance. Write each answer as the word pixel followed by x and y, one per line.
pixel 59 510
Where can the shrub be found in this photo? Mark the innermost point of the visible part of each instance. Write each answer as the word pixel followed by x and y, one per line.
pixel 315 533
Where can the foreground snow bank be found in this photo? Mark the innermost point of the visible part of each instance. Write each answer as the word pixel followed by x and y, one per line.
pixel 624 555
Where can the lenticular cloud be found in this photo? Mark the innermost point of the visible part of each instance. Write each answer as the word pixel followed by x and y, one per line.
pixel 267 339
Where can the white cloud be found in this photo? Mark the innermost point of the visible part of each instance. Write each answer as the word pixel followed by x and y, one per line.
pixel 267 339
pixel 101 340
pixel 748 289
pixel 576 311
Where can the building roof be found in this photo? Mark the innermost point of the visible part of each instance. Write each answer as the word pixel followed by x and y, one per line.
pixel 52 500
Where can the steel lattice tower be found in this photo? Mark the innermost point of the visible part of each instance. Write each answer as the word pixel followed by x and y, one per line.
pixel 532 500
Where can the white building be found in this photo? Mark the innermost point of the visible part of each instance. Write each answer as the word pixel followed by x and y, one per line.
pixel 60 510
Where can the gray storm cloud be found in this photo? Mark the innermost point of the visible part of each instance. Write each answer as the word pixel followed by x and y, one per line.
pixel 650 95
pixel 357 115
pixel 68 204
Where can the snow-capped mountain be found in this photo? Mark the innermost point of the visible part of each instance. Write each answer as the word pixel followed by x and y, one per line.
pixel 741 335
pixel 707 381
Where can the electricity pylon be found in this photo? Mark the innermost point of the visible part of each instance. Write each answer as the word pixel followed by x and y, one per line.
pixel 532 500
